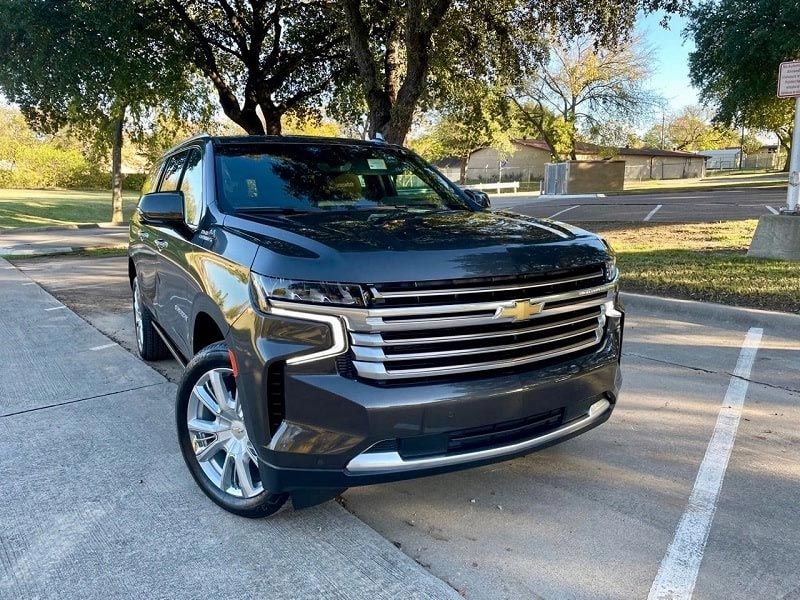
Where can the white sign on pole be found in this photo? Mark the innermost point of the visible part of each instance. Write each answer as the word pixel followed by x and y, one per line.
pixel 789 79
pixel 789 87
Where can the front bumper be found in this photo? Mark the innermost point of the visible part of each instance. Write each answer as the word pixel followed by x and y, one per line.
pixel 334 429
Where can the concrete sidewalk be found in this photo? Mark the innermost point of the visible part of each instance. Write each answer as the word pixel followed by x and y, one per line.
pixel 61 241
pixel 96 501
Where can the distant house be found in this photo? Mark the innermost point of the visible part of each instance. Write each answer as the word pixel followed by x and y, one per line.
pixel 527 161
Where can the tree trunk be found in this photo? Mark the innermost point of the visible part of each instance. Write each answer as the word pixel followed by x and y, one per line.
pixel 785 143
pixel 272 120
pixel 116 167
pixel 247 119
pixel 462 175
pixel 392 102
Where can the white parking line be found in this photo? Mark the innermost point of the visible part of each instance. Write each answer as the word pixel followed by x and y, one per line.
pixel 774 211
pixel 652 212
pixel 678 571
pixel 103 347
pixel 55 308
pixel 561 212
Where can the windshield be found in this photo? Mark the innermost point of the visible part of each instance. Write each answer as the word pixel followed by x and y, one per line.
pixel 327 177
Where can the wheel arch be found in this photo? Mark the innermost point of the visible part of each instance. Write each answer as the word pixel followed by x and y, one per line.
pixel 131 271
pixel 208 324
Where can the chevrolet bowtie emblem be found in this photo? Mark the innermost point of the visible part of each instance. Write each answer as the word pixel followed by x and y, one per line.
pixel 521 310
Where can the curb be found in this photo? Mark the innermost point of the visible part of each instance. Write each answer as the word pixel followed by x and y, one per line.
pixel 67 226
pixel 705 312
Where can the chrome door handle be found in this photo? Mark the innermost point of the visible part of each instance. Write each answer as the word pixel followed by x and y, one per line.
pixel 161 244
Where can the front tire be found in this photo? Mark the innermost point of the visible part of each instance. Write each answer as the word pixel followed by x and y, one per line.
pixel 214 440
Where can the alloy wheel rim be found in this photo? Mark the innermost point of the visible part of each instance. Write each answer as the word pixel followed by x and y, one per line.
pixel 218 435
pixel 137 315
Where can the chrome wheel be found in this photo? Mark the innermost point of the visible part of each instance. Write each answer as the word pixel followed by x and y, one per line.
pixel 137 314
pixel 219 437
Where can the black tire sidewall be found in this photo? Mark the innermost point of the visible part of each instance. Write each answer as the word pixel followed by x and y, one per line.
pixel 213 357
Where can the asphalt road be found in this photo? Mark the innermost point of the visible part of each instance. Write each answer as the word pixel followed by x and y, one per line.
pixel 684 207
pixel 622 511
pixel 47 241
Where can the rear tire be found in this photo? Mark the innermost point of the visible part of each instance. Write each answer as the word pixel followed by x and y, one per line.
pixel 148 342
pixel 213 437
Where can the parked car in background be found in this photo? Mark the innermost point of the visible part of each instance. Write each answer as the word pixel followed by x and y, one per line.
pixel 348 316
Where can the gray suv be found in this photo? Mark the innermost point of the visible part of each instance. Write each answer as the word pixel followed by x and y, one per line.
pixel 348 316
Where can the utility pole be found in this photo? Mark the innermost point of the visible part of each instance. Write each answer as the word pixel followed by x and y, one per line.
pixel 793 193
pixel 789 87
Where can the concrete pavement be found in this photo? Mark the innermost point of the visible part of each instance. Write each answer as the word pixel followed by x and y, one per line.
pixel 594 517
pixel 96 502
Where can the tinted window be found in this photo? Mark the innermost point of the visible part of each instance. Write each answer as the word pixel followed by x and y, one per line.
pixel 172 173
pixel 319 177
pixel 192 188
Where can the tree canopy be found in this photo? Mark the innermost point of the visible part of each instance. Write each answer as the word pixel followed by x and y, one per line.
pixel 580 85
pixel 477 118
pixel 66 62
pixel 276 57
pixel 407 52
pixel 739 45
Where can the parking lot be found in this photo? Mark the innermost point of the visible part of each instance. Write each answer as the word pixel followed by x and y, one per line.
pixel 683 207
pixel 692 484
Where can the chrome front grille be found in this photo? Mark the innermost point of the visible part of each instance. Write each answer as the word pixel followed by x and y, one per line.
pixel 431 329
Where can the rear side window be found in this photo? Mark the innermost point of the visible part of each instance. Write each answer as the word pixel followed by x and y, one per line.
pixel 192 188
pixel 172 173
pixel 151 180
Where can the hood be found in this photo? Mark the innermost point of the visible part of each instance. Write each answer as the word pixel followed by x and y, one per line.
pixel 369 247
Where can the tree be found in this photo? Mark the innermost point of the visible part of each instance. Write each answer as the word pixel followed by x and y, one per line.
pixel 318 127
pixel 274 56
pixel 479 118
pixel 751 144
pixel 614 133
pixel 404 51
pixel 65 63
pixel 585 84
pixel 738 47
pixel 539 121
pixel 692 130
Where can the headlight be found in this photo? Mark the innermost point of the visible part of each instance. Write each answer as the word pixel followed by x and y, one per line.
pixel 611 269
pixel 317 292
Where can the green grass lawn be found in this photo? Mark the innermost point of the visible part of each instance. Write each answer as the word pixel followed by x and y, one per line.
pixel 36 208
pixel 727 180
pixel 703 261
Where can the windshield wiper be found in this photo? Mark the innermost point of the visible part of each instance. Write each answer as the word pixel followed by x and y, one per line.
pixel 275 210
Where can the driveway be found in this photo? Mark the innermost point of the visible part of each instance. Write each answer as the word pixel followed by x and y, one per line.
pixel 691 486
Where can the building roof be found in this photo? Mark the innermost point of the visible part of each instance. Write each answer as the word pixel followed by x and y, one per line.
pixel 585 148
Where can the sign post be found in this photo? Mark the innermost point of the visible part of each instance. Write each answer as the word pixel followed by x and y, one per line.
pixel 789 87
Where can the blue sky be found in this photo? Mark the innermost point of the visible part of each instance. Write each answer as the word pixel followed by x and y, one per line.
pixel 671 71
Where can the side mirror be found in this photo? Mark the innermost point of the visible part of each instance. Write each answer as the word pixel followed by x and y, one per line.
pixel 478 197
pixel 162 208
